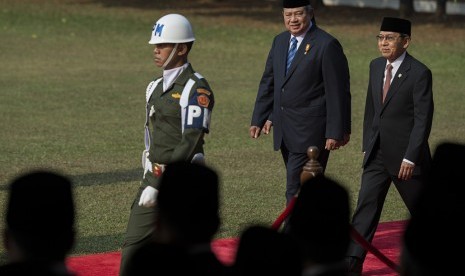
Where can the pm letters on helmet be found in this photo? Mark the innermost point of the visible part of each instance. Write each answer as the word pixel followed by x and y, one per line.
pixel 158 29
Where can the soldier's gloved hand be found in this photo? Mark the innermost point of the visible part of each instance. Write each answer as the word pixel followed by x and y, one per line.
pixel 148 197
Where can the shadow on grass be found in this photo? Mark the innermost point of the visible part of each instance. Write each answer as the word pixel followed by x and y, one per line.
pixel 97 244
pixel 105 178
pixel 102 178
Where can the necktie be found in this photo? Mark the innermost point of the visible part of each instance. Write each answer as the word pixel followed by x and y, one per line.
pixel 387 82
pixel 291 53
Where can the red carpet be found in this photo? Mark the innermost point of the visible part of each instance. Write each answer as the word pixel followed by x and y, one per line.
pixel 387 240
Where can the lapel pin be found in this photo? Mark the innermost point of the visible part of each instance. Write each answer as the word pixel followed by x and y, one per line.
pixel 307 48
pixel 399 76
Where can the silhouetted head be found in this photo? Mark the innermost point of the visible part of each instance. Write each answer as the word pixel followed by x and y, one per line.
pixel 264 251
pixel 40 215
pixel 188 201
pixel 320 220
pixel 436 224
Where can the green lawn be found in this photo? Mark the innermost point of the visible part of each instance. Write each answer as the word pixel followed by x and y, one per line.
pixel 73 78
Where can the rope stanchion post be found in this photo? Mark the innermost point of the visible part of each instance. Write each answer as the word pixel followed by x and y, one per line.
pixel 311 169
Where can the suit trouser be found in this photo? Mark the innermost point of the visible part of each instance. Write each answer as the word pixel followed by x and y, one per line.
pixel 140 229
pixel 375 184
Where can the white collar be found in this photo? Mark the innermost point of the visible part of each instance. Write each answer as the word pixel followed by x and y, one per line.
pixel 396 63
pixel 169 76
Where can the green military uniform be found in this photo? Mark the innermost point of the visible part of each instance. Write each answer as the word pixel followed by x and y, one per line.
pixel 177 121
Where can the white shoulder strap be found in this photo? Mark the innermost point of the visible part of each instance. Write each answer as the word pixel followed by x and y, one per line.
pixel 148 93
pixel 198 75
pixel 185 93
pixel 150 88
pixel 184 101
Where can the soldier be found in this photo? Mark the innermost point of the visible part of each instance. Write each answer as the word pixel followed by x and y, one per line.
pixel 178 111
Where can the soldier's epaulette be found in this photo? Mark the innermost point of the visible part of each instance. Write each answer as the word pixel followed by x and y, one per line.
pixel 203 91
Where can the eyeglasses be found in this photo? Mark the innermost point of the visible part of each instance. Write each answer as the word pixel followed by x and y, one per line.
pixel 389 38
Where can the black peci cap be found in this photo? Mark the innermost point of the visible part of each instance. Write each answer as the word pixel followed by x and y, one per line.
pixel 295 3
pixel 397 25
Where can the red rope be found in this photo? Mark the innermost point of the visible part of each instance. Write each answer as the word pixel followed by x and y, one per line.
pixel 373 250
pixel 277 223
pixel 354 234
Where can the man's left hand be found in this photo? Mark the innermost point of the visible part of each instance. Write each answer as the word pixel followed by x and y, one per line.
pixel 406 170
pixel 332 144
pixel 267 127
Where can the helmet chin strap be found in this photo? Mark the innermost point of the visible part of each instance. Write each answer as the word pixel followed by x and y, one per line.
pixel 171 56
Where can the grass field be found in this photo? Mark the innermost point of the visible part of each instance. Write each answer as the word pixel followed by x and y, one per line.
pixel 73 77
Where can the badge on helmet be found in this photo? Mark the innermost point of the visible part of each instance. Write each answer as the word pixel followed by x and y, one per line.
pixel 172 28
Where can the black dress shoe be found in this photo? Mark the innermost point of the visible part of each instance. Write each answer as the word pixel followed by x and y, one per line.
pixel 354 266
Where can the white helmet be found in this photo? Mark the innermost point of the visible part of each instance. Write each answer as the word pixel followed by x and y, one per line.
pixel 172 28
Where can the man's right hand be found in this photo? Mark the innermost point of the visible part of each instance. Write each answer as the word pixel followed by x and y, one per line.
pixel 254 132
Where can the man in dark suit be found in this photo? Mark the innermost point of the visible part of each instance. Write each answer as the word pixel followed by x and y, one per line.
pixel 310 100
pixel 396 128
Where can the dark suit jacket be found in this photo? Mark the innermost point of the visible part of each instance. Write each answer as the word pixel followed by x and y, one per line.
pixel 403 123
pixel 312 102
